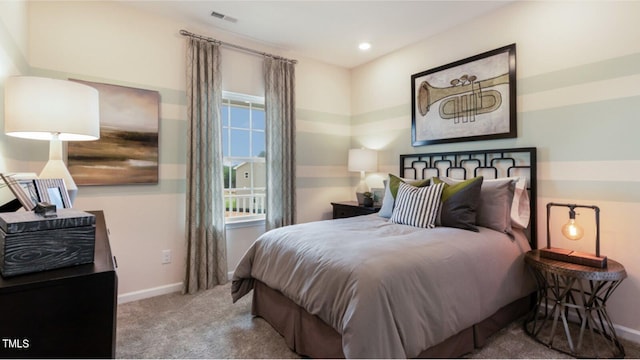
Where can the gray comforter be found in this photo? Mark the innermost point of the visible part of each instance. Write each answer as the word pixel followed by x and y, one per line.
pixel 391 290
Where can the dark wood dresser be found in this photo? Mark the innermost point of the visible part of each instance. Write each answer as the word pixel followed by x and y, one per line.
pixel 63 313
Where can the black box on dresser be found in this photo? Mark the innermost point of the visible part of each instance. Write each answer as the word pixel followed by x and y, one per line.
pixel 30 242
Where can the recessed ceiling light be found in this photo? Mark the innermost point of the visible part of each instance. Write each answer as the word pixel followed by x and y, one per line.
pixel 364 46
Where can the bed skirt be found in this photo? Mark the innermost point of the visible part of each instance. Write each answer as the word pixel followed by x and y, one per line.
pixel 308 335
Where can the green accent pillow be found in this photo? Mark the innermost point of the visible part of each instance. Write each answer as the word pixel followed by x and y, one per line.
pixel 460 203
pixel 394 183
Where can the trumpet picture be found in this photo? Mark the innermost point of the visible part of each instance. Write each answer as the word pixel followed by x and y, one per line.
pixel 466 100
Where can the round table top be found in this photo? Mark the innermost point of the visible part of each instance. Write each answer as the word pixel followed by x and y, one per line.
pixel 612 272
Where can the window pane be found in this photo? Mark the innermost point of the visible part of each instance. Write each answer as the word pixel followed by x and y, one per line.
pixel 240 117
pixel 229 173
pixel 258 119
pixel 224 115
pixel 239 143
pixel 229 177
pixel 258 143
pixel 225 142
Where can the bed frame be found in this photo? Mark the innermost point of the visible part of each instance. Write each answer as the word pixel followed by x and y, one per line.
pixel 491 164
pixel 308 335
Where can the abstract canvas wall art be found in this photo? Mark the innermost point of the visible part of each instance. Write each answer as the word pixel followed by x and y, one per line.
pixel 127 151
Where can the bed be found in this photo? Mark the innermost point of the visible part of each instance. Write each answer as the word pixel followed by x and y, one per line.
pixel 374 287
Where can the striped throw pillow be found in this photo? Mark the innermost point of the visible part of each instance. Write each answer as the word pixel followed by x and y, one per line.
pixel 417 206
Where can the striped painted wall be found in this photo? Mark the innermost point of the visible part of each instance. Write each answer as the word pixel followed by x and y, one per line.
pixel 578 88
pixel 322 143
pixel 579 123
pixel 13 45
pixel 577 68
pixel 115 43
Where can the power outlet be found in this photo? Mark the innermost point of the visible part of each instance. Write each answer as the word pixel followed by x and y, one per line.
pixel 166 256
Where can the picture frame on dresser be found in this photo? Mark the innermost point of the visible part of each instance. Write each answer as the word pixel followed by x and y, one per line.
pixel 53 191
pixel 29 188
pixel 470 99
pixel 378 195
pixel 19 189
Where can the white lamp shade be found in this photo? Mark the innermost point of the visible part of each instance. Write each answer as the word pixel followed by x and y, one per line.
pixel 363 160
pixel 38 108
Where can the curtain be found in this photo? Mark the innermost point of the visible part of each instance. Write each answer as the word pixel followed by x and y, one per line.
pixel 206 264
pixel 280 142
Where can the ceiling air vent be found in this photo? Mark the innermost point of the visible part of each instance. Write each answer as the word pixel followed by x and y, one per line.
pixel 223 17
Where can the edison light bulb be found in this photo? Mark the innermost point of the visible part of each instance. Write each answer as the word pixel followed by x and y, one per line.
pixel 572 230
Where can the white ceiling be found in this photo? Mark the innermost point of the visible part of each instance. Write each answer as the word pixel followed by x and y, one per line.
pixel 328 31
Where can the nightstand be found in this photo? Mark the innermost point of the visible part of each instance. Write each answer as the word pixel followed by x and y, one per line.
pixel 571 303
pixel 345 209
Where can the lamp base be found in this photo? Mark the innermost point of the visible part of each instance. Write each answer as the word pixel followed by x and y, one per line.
pixel 574 257
pixel 55 168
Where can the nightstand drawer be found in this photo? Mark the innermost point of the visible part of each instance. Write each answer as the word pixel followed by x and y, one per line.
pixel 347 209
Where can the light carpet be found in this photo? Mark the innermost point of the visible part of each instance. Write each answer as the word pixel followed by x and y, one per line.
pixel 208 325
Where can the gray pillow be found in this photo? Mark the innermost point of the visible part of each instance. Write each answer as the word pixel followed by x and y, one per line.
pixel 494 207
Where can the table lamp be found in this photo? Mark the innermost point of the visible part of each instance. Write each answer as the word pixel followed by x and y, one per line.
pixel 362 160
pixel 54 110
pixel 573 231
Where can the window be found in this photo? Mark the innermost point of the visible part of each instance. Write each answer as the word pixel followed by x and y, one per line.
pixel 243 150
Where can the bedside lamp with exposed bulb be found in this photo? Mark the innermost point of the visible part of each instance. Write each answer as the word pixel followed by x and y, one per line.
pixel 573 231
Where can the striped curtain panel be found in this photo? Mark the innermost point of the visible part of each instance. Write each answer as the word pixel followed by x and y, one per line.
pixel 206 264
pixel 280 142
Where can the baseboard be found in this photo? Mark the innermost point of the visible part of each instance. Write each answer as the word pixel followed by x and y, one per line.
pixel 627 333
pixel 147 293
pixel 623 332
pixel 160 290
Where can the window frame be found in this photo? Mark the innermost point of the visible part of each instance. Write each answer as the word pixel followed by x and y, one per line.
pixel 232 99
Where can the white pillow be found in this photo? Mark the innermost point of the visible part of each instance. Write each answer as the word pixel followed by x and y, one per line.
pixel 520 207
pixel 417 206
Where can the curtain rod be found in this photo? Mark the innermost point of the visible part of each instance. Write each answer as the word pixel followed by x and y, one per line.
pixel 226 44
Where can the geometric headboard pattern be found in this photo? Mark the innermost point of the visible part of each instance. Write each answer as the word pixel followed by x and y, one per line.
pixel 491 164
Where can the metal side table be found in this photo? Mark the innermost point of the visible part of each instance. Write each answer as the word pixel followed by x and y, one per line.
pixel 574 296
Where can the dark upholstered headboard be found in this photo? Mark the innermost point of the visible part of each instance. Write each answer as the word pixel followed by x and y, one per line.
pixel 491 164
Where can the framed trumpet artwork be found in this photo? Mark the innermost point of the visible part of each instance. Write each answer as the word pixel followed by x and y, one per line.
pixel 467 100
